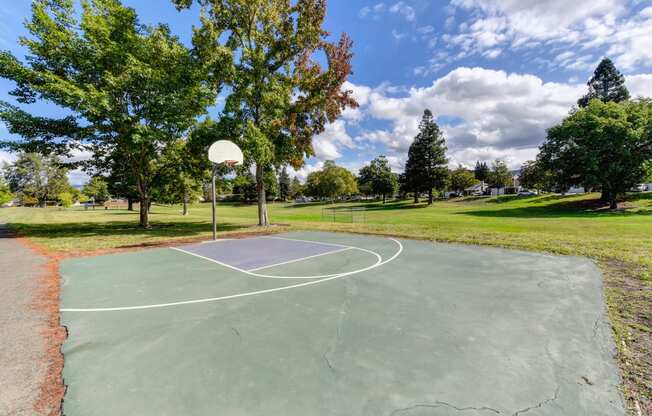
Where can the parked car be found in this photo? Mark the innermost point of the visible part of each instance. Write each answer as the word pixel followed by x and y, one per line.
pixel 527 192
pixel 639 188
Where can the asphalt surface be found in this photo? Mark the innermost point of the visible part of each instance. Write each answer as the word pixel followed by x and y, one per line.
pixel 22 346
pixel 432 330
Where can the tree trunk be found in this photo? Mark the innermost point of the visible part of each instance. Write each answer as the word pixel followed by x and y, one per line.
pixel 429 196
pixel 606 195
pixel 263 220
pixel 145 203
pixel 130 204
pixel 185 204
pixel 613 204
pixel 383 198
pixel 144 213
pixel 416 197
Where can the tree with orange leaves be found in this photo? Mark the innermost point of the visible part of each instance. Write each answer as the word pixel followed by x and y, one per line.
pixel 285 81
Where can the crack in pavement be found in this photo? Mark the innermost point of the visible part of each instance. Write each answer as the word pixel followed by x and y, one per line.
pixel 343 312
pixel 538 405
pixel 235 331
pixel 439 403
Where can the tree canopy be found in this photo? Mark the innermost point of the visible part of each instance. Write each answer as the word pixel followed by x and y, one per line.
pixel 425 168
pixel 606 84
pixel 284 184
pixel 605 146
pixel 500 176
pixel 461 178
pixel 97 189
pixel 377 178
pixel 481 171
pixel 331 181
pixel 280 94
pixel 37 179
pixel 5 193
pixel 132 89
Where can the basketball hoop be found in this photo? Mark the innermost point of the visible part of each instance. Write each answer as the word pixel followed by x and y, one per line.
pixel 228 154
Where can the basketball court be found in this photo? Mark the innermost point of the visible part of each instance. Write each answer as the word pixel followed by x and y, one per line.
pixel 335 324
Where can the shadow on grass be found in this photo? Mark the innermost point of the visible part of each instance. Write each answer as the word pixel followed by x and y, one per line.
pixel 118 228
pixel 563 209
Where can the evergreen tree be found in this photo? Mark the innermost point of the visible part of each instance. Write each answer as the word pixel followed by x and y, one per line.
pixel 284 184
pixel 606 84
pixel 37 179
pixel 481 172
pixel 425 168
pixel 296 188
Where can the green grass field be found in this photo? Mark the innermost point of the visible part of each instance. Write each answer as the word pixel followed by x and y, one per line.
pixel 621 242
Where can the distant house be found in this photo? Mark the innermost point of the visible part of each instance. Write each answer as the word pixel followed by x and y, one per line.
pixel 477 189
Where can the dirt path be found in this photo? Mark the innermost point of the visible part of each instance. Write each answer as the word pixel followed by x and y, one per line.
pixel 29 353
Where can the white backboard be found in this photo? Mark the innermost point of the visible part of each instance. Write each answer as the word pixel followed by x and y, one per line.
pixel 224 150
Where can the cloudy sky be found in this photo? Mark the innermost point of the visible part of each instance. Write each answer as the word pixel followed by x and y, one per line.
pixel 496 73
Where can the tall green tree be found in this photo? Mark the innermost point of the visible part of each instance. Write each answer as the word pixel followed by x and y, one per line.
pixel 37 179
pixel 425 168
pixel 378 178
pixel 296 188
pixel 284 184
pixel 271 184
pixel 132 89
pixel 331 182
pixel 500 176
pixel 245 184
pixel 604 145
pixel 606 84
pixel 97 189
pixel 182 176
pixel 461 178
pixel 534 175
pixel 286 78
pixel 481 172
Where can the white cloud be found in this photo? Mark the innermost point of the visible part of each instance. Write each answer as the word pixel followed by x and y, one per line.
pixel 303 172
pixel 404 10
pixel 327 145
pixel 400 8
pixel 639 85
pixel 497 115
pixel 585 25
pixel 78 177
pixel 372 11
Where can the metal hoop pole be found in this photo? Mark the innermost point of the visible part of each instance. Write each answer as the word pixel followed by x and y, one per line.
pixel 214 207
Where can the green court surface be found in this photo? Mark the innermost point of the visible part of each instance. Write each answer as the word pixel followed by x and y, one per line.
pixel 336 324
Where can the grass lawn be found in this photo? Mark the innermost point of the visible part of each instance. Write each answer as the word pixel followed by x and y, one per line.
pixel 621 242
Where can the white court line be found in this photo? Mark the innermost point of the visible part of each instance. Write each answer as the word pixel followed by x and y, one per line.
pixel 304 241
pixel 301 259
pixel 240 295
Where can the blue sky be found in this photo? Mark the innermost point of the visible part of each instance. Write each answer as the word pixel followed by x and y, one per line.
pixel 496 73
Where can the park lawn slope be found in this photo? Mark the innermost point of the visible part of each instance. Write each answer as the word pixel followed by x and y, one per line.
pixel 620 241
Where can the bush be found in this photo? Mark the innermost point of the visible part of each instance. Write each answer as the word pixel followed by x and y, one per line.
pixel 65 199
